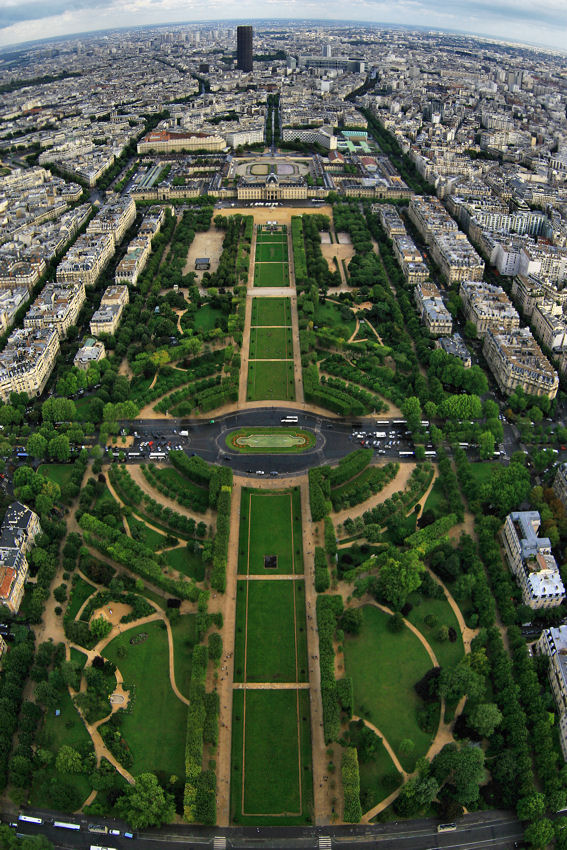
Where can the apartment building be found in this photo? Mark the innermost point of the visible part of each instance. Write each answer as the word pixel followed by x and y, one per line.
pixel 134 261
pixel 549 325
pixel 87 258
pixel 16 272
pixel 10 302
pixel 455 346
pixel 487 307
pixel 57 306
pixel 27 361
pixel 14 571
pixel 456 257
pixel 531 561
pixel 390 220
pixel 163 141
pixel 19 528
pixel 17 534
pixel 106 319
pixel 553 643
pixel 516 360
pixel 548 262
pixel 430 217
pixel 432 310
pixel 560 483
pixel 114 218
pixel 91 351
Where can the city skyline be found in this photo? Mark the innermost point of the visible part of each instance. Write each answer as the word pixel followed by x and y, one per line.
pixel 514 21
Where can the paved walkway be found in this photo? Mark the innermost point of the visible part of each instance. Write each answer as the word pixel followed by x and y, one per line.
pixel 270 686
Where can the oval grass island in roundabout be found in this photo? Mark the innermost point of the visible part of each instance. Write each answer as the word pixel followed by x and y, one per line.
pixel 270 440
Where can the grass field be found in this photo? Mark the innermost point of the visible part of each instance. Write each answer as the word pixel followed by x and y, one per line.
pixel 270 524
pixel 271 783
pixel 155 728
pixel 271 311
pixel 184 635
pixel 276 440
pixel 378 776
pixel 330 315
pixel 271 274
pixel 271 380
pixel 447 653
pixel 271 252
pixel 270 632
pixel 271 343
pixel 141 532
pixel 384 667
pixel 205 318
pixel 59 473
pixel 79 594
pixel 186 562
pixel 67 728
pixel 436 500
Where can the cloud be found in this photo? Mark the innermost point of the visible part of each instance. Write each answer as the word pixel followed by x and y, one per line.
pixel 544 22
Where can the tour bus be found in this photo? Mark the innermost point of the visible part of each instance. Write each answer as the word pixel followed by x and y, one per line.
pixel 62 824
pixel 29 819
pixel 399 422
pixel 431 453
pixel 97 827
pixel 405 454
pixel 289 420
pixel 98 847
pixel 384 424
pixel 157 456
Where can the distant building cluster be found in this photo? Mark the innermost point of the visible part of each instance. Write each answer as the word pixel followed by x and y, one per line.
pixel 531 561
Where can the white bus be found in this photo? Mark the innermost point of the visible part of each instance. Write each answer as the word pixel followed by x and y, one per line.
pixel 405 454
pixel 384 424
pixel 29 819
pixel 157 455
pixel 289 420
pixel 62 824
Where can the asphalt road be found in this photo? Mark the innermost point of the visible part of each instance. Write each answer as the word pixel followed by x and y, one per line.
pixel 496 830
pixel 208 439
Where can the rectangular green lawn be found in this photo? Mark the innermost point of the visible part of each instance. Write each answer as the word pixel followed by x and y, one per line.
pixel 271 312
pixel 271 380
pixel 79 594
pixel 155 729
pixel 384 668
pixel 269 779
pixel 271 252
pixel 271 343
pixel 271 274
pixel 270 524
pixel 269 638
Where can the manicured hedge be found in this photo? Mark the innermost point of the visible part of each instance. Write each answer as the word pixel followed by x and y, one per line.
pixel 319 492
pixel 220 545
pixel 133 555
pixel 322 577
pixel 351 786
pixel 329 609
pixel 349 466
pixel 371 480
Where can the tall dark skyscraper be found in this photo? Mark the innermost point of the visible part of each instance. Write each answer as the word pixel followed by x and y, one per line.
pixel 244 48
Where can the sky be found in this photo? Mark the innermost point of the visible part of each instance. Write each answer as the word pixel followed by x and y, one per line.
pixel 543 22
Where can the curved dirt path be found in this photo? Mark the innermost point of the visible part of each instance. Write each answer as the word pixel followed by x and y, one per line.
pixel 139 478
pixel 386 743
pixel 393 486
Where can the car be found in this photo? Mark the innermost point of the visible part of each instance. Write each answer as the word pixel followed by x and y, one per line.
pixel 260 472
pixel 114 832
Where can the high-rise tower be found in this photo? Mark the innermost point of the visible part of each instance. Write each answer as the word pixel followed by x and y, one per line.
pixel 244 48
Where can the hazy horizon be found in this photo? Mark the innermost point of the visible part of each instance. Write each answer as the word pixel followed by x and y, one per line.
pixel 511 21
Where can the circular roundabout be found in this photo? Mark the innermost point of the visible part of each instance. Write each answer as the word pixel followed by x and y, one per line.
pixel 270 440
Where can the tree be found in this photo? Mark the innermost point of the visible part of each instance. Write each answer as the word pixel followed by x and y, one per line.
pixel 58 448
pixel 411 408
pixel 484 717
pixel 462 769
pixel 398 577
pixel 36 446
pixel 146 803
pixel 460 681
pixel 351 621
pixel 532 807
pixel 539 834
pixel 486 444
pixel 100 627
pixel 68 760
